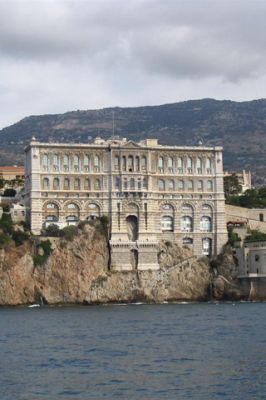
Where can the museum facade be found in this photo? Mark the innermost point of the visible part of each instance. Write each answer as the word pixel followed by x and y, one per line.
pixel 150 192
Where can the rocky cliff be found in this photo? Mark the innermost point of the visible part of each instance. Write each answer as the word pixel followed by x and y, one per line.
pixel 225 284
pixel 77 272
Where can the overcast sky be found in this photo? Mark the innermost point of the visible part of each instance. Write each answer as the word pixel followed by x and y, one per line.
pixel 59 55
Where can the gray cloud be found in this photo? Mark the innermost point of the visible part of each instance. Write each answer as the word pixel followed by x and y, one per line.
pixel 59 55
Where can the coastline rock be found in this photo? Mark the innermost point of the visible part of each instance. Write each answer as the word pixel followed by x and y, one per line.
pixel 77 272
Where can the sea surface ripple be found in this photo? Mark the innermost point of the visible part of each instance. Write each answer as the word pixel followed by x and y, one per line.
pixel 170 351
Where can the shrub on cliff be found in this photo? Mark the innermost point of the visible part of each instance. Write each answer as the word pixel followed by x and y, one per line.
pixel 69 232
pixel 233 237
pixel 10 193
pixel 25 225
pixel 52 230
pixel 103 225
pixel 43 251
pixel 6 224
pixel 6 208
pixel 19 237
pixel 4 240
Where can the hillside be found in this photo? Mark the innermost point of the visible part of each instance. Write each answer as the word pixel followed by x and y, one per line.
pixel 239 126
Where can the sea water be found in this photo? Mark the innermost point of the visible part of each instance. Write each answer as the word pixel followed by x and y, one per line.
pixel 169 351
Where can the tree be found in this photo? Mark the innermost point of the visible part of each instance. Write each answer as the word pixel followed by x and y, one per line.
pixel 10 193
pixel 231 185
pixel 255 236
pixel 52 230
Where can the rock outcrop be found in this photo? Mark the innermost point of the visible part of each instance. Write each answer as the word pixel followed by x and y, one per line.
pixel 77 272
pixel 225 284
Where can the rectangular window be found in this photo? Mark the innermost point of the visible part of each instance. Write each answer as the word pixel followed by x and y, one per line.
pixel 209 186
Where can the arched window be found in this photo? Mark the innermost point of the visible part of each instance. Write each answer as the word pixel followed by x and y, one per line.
pixel 97 184
pixel 208 166
pixel 51 213
pixel 160 164
pixel 189 165
pixel 125 183
pixel 72 209
pixel 66 184
pixel 207 246
pixel 45 162
pixel 200 186
pixel 76 163
pixel 206 208
pixel 132 183
pixel 116 163
pixel 190 185
pixel 55 162
pixel 87 184
pixel 168 207
pixel 72 206
pixel 181 185
pixel 143 163
pixel 139 183
pixel 209 186
pixel 117 183
pixel 86 163
pixel 161 184
pixel 96 163
pixel 171 185
pixel 51 206
pixel 199 165
pixel 137 163
pixel 56 184
pixel 66 162
pixel 167 224
pixel 170 164
pixel 45 184
pixel 206 224
pixel 180 165
pixel 93 211
pixel 76 184
pixel 130 163
pixel 186 223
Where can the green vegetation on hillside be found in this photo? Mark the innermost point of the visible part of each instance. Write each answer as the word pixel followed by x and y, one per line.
pixel 238 126
pixel 255 236
pixel 69 232
pixel 253 198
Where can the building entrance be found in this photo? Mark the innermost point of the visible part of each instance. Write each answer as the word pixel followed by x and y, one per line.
pixel 132 228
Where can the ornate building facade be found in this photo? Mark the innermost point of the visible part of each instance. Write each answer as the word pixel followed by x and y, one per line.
pixel 149 191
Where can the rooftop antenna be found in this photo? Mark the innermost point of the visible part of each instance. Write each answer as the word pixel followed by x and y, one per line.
pixel 113 121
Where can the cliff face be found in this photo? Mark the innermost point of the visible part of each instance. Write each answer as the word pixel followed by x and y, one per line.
pixel 225 284
pixel 77 272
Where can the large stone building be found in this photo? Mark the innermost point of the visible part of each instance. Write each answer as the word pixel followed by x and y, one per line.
pixel 149 191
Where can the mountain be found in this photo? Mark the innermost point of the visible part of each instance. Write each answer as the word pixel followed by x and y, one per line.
pixel 238 126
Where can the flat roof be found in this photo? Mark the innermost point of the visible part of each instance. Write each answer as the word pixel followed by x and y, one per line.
pixel 123 145
pixel 12 168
